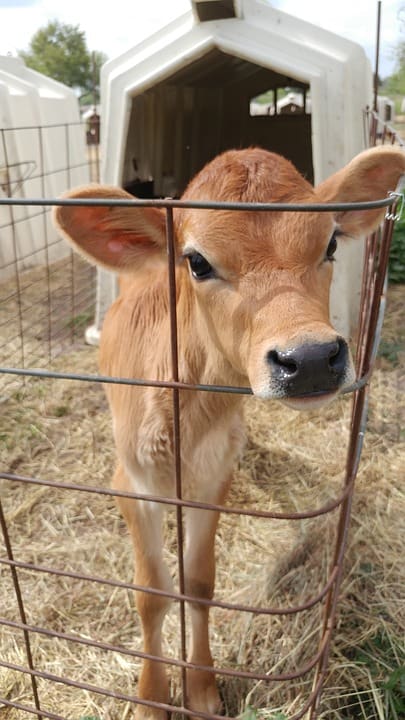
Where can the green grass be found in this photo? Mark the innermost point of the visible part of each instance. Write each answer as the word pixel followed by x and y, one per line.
pixel 396 267
pixel 384 660
pixel 250 713
pixel 391 350
pixel 79 321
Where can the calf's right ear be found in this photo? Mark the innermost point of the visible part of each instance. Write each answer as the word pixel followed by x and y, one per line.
pixel 369 176
pixel 118 238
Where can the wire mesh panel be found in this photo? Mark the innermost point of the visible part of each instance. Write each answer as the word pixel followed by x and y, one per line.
pixel 46 292
pixel 296 662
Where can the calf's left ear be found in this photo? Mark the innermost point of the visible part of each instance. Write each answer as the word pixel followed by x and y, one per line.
pixel 119 238
pixel 369 176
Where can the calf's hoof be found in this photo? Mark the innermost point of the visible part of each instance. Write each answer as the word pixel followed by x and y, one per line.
pixel 202 693
pixel 145 712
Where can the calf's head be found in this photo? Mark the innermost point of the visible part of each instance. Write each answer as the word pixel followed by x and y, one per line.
pixel 259 281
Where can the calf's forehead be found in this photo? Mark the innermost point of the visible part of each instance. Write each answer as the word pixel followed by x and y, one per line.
pixel 250 175
pixel 239 240
pixel 232 238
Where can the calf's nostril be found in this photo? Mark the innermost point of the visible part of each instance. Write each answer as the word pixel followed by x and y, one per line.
pixel 338 356
pixel 282 362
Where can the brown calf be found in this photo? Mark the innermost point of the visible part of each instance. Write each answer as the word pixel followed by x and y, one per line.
pixel 252 307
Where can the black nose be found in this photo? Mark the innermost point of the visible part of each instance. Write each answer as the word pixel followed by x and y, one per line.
pixel 309 369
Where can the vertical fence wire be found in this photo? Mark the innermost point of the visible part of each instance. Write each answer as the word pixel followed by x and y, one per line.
pixel 46 244
pixel 374 277
pixel 21 609
pixel 171 260
pixel 15 254
pixel 72 258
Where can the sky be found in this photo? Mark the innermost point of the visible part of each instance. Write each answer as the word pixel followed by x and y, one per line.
pixel 117 26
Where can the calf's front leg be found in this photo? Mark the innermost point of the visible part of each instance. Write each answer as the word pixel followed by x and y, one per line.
pixel 144 520
pixel 199 570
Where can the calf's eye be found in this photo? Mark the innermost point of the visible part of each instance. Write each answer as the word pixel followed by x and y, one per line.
pixel 332 247
pixel 200 267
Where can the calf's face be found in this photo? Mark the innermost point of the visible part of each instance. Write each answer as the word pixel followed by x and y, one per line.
pixel 262 284
pixel 263 279
pixel 260 280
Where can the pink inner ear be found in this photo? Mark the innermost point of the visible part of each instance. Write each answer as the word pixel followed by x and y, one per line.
pixel 137 242
pixel 115 246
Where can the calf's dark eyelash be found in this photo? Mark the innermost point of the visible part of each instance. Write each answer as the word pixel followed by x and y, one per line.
pixel 338 233
pixel 332 246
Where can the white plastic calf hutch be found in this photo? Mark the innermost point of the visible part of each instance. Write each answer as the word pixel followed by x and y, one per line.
pixel 183 95
pixel 42 151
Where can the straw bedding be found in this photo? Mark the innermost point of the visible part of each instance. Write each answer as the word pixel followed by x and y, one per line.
pixel 60 430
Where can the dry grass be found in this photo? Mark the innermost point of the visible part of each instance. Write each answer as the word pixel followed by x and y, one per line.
pixel 61 430
pixel 44 313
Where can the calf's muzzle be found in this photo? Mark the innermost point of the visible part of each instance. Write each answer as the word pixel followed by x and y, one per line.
pixel 309 369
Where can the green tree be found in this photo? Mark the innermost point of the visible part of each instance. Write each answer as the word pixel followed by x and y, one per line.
pixel 92 94
pixel 60 51
pixel 395 83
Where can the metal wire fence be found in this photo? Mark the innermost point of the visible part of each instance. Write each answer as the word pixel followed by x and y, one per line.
pixel 47 293
pixel 326 597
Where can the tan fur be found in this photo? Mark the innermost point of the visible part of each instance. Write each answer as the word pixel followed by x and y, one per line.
pixel 271 291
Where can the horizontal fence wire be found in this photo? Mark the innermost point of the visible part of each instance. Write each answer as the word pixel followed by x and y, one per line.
pixel 176 596
pixel 203 204
pixel 181 502
pixel 130 698
pixel 371 321
pixel 226 672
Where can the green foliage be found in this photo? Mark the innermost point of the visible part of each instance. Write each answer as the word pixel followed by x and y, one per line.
pixel 391 350
pixel 80 321
pixel 60 52
pixel 395 84
pixel 395 691
pixel 61 411
pixel 396 268
pixel 250 713
pixel 383 656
